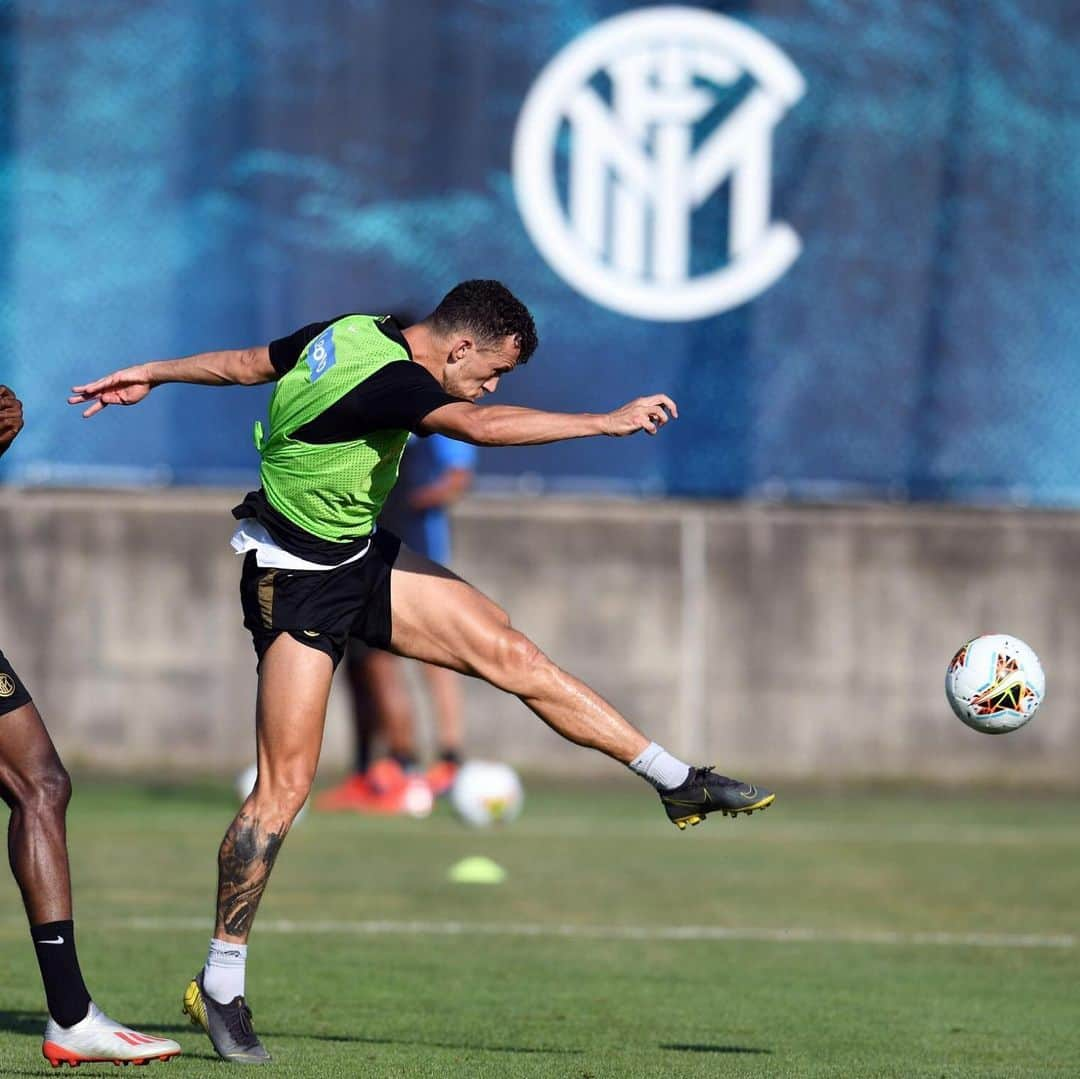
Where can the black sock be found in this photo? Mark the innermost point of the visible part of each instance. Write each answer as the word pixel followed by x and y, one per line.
pixel 362 759
pixel 65 989
pixel 406 760
pixel 451 756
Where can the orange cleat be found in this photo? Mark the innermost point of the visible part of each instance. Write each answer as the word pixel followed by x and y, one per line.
pixel 384 790
pixel 351 793
pixel 386 776
pixel 440 777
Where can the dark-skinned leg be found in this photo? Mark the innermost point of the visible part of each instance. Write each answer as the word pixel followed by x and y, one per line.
pixel 381 712
pixel 364 712
pixel 393 704
pixel 448 702
pixel 36 788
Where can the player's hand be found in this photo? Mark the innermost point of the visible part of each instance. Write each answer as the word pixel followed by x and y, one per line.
pixel 126 387
pixel 644 414
pixel 11 417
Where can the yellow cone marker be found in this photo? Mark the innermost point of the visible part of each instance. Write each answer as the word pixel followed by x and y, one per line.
pixel 477 870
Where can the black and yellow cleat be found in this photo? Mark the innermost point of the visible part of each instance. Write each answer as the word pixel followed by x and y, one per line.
pixel 705 792
pixel 228 1025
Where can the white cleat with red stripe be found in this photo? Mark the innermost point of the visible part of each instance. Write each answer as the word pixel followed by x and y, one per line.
pixel 97 1039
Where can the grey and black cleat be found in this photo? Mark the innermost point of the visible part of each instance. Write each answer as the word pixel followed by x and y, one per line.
pixel 705 792
pixel 228 1025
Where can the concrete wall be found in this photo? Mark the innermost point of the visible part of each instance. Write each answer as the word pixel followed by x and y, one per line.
pixel 777 642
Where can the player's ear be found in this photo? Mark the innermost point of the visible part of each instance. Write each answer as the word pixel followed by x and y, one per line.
pixel 460 349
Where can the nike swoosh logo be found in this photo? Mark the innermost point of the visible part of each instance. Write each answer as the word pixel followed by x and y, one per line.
pixel 748 790
pixel 59 940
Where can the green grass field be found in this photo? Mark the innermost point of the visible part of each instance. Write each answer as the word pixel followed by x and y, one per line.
pixel 876 935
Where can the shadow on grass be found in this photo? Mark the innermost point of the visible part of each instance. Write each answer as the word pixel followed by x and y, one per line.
pixel 23 1022
pixel 475 1046
pixel 34 1023
pixel 693 1047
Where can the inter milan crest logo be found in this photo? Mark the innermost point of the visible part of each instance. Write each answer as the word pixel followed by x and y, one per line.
pixel 7 685
pixel 631 136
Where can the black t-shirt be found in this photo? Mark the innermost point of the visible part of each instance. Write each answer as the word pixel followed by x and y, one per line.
pixel 396 397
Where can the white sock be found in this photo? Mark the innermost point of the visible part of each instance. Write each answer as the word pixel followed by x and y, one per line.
pixel 223 975
pixel 660 768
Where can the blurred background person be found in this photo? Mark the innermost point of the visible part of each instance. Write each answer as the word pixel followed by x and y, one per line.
pixel 435 473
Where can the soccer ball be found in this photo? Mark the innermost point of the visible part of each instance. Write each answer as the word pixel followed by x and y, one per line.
pixel 244 783
pixel 486 793
pixel 995 683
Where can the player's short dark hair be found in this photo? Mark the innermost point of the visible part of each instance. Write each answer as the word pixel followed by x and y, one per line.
pixel 489 311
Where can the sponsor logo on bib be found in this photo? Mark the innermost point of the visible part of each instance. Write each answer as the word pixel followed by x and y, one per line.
pixel 320 354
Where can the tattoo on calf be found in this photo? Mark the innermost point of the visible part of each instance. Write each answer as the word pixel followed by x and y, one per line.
pixel 244 862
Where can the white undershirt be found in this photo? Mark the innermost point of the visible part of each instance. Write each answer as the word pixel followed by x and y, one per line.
pixel 251 536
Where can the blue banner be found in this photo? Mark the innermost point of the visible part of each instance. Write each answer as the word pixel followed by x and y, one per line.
pixel 842 235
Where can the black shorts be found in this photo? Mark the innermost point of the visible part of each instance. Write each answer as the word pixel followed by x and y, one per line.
pixel 322 608
pixel 12 692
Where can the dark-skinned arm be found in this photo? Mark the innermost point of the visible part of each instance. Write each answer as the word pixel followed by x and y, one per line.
pixel 11 418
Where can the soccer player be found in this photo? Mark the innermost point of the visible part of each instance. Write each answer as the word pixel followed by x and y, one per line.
pixel 318 571
pixel 36 788
pixel 435 473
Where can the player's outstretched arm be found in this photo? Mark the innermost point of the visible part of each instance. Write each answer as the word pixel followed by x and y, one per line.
pixel 509 425
pixel 234 367
pixel 11 418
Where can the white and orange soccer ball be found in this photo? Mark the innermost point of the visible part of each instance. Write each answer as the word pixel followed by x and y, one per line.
pixel 995 683
pixel 486 793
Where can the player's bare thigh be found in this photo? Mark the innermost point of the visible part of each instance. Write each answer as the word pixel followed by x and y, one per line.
pixel 440 618
pixel 28 758
pixel 294 687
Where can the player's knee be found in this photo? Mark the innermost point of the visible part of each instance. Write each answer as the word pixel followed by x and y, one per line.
pixel 57 787
pixel 518 662
pixel 43 791
pixel 281 795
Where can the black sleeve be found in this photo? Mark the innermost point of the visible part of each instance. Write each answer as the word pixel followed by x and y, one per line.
pixel 396 398
pixel 285 351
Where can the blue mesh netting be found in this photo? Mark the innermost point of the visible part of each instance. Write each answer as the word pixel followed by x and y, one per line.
pixel 182 177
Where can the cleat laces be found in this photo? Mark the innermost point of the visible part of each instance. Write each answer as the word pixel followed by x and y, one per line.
pixel 238 1020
